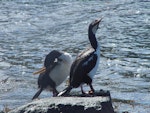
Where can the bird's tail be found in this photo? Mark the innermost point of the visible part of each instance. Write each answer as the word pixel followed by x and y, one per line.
pixel 37 94
pixel 65 91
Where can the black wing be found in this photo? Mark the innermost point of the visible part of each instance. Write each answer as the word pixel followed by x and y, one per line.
pixel 90 63
pixel 86 61
pixel 83 64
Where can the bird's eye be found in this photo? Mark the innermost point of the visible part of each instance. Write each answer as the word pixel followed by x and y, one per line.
pixel 96 20
pixel 56 60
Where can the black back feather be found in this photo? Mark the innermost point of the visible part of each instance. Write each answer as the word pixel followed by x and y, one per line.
pixel 80 68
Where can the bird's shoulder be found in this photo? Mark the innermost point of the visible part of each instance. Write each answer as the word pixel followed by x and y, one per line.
pixel 85 54
pixel 85 60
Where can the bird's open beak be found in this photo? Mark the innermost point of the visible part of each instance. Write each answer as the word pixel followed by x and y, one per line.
pixel 42 70
pixel 98 21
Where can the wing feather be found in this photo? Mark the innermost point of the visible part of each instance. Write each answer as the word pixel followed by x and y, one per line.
pixel 80 68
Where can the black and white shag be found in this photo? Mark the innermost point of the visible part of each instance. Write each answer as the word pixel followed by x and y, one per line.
pixel 85 65
pixel 56 69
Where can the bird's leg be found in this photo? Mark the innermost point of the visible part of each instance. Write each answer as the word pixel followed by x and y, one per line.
pixel 92 89
pixel 55 92
pixel 82 90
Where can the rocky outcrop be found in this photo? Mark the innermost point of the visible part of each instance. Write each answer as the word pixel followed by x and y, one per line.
pixel 100 103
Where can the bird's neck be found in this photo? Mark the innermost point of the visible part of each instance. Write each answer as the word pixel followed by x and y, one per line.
pixel 92 39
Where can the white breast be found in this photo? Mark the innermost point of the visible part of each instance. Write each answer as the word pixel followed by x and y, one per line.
pixel 61 71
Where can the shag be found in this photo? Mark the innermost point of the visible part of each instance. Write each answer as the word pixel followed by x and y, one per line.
pixel 56 69
pixel 86 63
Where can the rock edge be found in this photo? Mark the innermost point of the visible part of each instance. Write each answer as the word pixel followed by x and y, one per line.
pixel 75 104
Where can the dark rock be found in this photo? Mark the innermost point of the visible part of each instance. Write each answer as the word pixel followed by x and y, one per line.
pixel 72 104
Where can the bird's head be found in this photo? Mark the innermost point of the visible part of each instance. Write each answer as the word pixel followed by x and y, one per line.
pixel 94 25
pixel 51 57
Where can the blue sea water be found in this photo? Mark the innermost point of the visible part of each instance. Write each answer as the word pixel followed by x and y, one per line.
pixel 30 29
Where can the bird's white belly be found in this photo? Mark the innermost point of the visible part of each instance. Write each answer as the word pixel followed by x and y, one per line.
pixel 60 73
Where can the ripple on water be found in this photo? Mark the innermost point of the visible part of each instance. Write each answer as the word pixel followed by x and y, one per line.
pixel 30 29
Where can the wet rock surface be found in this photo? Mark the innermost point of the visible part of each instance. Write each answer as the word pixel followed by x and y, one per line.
pixel 99 103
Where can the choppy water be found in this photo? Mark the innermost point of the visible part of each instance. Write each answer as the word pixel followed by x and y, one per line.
pixel 30 29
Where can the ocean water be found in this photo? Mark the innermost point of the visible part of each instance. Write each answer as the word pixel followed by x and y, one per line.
pixel 30 29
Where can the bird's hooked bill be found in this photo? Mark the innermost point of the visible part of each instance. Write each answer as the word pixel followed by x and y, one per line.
pixel 42 70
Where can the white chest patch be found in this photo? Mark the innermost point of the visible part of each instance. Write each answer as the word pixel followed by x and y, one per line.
pixel 62 70
pixel 60 73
